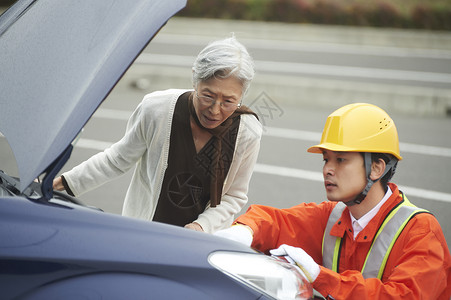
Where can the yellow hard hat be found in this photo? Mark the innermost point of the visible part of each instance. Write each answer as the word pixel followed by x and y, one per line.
pixel 359 127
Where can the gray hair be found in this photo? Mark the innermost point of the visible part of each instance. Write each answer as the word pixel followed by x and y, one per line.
pixel 224 58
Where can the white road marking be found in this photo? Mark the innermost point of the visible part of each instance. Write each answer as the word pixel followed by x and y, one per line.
pixel 317 176
pixel 304 68
pixel 290 172
pixel 308 46
pixel 316 137
pixel 92 144
pixel 114 114
pixel 295 134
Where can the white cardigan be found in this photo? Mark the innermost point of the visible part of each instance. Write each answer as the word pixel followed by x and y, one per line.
pixel 146 146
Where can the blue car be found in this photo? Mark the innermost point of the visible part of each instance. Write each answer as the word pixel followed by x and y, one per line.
pixel 59 59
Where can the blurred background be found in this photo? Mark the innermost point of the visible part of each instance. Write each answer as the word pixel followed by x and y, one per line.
pixel 420 14
pixel 311 57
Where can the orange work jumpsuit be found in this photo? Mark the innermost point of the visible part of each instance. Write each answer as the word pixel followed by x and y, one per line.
pixel 418 267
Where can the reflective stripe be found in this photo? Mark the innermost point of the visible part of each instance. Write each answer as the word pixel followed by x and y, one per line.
pixel 386 237
pixel 331 244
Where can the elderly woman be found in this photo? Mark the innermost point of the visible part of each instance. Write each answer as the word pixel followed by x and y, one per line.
pixel 193 150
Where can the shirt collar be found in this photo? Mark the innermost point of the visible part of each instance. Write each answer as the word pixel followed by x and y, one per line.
pixel 360 224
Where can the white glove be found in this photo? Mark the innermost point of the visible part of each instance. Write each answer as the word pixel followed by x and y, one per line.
pixel 238 233
pixel 301 259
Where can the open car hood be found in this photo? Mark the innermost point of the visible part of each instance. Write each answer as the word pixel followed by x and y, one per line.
pixel 59 60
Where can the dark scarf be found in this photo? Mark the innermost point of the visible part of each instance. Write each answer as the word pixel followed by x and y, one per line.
pixel 217 164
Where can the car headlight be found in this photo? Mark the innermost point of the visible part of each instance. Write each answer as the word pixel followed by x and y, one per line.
pixel 266 274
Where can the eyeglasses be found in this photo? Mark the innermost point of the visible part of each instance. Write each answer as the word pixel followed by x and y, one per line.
pixel 225 105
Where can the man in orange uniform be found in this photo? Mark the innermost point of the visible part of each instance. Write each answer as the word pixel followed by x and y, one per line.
pixel 368 241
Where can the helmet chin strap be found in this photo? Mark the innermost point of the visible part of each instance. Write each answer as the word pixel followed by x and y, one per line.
pixel 367 159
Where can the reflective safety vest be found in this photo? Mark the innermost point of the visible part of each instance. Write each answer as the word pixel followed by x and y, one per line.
pixel 386 237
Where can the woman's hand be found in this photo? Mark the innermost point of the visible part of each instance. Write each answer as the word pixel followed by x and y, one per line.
pixel 58 184
pixel 194 226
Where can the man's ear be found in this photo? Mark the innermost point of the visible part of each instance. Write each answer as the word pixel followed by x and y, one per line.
pixel 377 169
